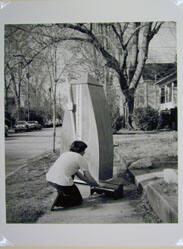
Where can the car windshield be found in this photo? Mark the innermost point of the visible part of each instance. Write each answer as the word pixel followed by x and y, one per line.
pixel 33 122
pixel 21 122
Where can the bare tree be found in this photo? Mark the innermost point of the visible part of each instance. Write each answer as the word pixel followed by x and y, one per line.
pixel 24 65
pixel 125 51
pixel 58 67
pixel 123 47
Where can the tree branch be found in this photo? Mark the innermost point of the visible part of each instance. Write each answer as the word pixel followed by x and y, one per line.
pixel 136 30
pixel 155 30
pixel 111 60
pixel 118 36
pixel 124 28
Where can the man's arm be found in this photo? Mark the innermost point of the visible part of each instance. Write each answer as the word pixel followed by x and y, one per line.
pixel 86 176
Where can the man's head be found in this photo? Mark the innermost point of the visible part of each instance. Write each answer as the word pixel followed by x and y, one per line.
pixel 78 147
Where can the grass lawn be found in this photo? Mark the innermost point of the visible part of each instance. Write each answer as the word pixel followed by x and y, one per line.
pixel 28 194
pixel 158 146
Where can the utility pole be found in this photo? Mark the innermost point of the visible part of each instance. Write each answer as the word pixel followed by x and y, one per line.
pixel 28 102
pixel 54 97
pixel 56 80
pixel 50 104
pixel 146 93
pixel 155 80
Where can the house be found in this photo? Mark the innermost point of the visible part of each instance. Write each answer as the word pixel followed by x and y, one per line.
pixel 158 89
pixel 168 92
pixel 168 99
pixel 148 92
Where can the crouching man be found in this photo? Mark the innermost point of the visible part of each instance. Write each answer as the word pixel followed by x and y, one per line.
pixel 61 176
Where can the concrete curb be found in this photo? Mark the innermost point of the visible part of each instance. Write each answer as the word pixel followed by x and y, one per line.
pixel 163 205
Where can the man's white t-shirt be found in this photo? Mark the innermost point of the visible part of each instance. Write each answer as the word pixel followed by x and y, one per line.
pixel 65 167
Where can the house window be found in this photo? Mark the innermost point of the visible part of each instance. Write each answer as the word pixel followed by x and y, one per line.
pixel 175 92
pixel 170 92
pixel 166 94
pixel 162 99
pixel 141 100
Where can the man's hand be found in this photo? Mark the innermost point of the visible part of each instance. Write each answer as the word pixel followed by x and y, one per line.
pixel 86 176
pixel 90 180
pixel 95 184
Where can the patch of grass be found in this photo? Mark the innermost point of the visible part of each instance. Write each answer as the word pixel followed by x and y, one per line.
pixel 156 146
pixel 27 193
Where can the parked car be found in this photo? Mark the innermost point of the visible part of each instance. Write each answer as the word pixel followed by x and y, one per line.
pixel 48 124
pixel 38 125
pixel 58 122
pixel 21 126
pixel 6 130
pixel 34 125
pixel 31 125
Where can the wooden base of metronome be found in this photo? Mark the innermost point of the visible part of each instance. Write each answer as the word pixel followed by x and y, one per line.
pixel 110 189
pixel 113 191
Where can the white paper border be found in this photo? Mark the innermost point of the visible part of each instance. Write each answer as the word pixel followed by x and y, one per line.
pixel 52 11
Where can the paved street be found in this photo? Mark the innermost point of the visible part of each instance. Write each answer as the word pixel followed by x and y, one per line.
pixel 22 146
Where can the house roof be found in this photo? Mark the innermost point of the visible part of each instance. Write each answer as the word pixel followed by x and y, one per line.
pixel 168 79
pixel 157 71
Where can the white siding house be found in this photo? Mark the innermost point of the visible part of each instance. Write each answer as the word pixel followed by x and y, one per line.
pixel 168 92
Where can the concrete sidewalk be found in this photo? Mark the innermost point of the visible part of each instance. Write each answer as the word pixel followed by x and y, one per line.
pixel 98 209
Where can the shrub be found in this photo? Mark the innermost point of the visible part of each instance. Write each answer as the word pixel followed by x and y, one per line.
pixel 118 123
pixel 146 118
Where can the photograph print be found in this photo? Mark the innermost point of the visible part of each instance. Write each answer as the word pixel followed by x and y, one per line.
pixel 91 123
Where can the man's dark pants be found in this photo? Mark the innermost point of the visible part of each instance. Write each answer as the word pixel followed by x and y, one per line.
pixel 67 196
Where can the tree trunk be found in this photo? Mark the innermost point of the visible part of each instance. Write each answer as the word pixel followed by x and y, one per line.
pixel 17 103
pixel 6 95
pixel 135 67
pixel 129 95
pixel 129 107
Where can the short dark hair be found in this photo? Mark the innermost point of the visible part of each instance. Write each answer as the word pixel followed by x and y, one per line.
pixel 78 146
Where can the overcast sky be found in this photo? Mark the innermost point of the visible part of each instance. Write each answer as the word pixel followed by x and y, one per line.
pixel 163 45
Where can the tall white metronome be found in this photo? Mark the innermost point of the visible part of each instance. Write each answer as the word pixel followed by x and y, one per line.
pixel 87 118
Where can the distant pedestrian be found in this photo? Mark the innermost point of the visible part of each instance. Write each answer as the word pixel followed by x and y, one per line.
pixel 61 175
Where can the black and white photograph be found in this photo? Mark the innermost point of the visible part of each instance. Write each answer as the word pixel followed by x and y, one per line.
pixel 90 123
